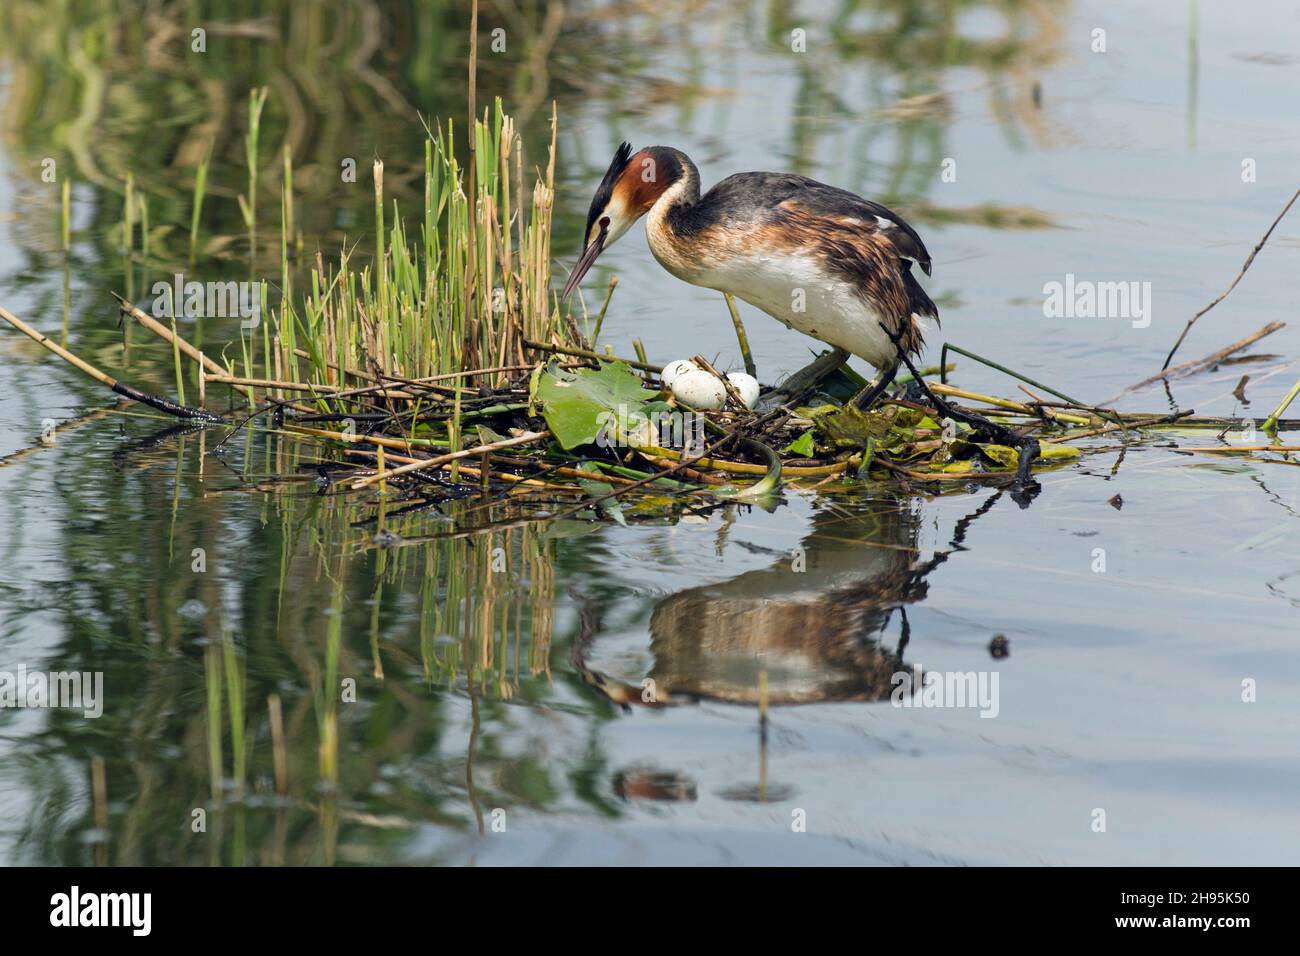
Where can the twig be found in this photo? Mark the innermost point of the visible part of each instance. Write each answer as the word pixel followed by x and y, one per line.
pixel 1125 425
pixel 153 325
pixel 524 439
pixel 1249 259
pixel 1187 368
pixel 153 401
pixel 661 455
pixel 680 466
pixel 928 370
pixel 587 353
pixel 465 374
pixel 401 444
pixel 1007 403
pixel 328 391
pixel 943 372
pixel 685 462
pixel 727 384
pixel 516 480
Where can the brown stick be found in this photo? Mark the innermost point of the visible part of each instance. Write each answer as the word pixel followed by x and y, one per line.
pixel 1187 368
pixel 465 374
pixel 56 348
pixel 153 401
pixel 524 439
pixel 384 440
pixel 1249 259
pixel 684 463
pixel 325 390
pixel 516 480
pixel 587 353
pixel 732 394
pixel 1125 425
pixel 153 325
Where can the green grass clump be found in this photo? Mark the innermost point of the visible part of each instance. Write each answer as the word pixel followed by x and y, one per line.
pixel 459 297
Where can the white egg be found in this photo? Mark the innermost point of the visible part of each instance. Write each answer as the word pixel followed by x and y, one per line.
pixel 673 370
pixel 746 385
pixel 698 389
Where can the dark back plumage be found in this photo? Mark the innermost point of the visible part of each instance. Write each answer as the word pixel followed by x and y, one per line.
pixel 868 244
pixel 746 195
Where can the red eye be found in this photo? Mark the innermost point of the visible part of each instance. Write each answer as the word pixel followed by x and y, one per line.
pixel 604 222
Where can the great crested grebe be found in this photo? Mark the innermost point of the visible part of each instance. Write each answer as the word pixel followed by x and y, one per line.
pixel 819 259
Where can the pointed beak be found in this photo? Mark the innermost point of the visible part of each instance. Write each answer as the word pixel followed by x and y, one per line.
pixel 588 258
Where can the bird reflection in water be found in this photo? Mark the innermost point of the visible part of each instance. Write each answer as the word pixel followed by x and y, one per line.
pixel 780 636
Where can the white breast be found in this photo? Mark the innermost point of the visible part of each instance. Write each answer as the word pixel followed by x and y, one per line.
pixel 797 291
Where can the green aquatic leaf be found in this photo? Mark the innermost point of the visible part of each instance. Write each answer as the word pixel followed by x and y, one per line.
pixel 598 489
pixel 766 486
pixel 1057 450
pixel 851 427
pixel 803 445
pixel 577 403
pixel 890 426
pixel 487 436
pixel 1003 455
pixel 869 453
pixel 1009 458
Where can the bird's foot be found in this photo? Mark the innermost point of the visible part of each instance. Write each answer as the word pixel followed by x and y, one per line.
pixel 865 398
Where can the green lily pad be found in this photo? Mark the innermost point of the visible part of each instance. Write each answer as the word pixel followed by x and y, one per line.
pixel 577 403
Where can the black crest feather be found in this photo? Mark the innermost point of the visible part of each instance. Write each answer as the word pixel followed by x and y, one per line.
pixel 606 189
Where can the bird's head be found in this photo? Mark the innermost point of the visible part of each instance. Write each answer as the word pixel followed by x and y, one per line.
pixel 632 185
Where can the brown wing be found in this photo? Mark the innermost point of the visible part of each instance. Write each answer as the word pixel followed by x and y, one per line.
pixel 864 253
